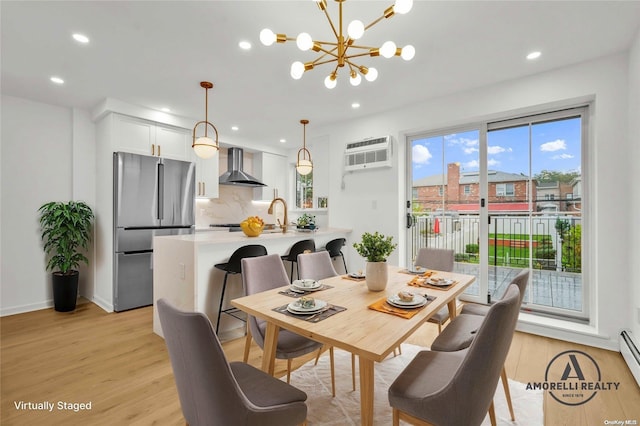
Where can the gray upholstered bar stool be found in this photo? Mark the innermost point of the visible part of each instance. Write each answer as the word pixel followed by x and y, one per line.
pixel 233 266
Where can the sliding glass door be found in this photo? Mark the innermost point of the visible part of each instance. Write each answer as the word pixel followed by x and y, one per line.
pixel 506 195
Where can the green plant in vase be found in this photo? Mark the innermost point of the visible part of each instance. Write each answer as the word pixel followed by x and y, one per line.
pixel 376 248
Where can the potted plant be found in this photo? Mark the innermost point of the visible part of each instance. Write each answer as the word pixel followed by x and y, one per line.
pixel 66 232
pixel 306 221
pixel 375 248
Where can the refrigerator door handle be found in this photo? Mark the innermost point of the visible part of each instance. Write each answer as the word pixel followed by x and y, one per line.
pixel 160 191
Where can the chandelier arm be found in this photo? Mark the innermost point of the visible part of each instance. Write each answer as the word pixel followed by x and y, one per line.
pixel 388 13
pixel 333 28
pixel 357 55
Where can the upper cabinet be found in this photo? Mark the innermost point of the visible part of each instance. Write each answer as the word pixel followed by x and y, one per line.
pixel 207 171
pixel 148 138
pixel 273 170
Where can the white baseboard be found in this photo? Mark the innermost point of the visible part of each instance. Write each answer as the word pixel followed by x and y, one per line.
pixel 13 310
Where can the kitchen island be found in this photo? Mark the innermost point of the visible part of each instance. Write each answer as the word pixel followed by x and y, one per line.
pixel 184 272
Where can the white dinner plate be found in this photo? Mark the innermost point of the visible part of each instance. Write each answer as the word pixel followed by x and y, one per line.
pixel 416 270
pixel 439 282
pixel 295 308
pixel 306 284
pixel 357 276
pixel 415 303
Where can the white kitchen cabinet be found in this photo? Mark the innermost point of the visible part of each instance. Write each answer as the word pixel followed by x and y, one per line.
pixel 272 170
pixel 207 177
pixel 148 138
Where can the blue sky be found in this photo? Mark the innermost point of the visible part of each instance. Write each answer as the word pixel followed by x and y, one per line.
pixel 554 146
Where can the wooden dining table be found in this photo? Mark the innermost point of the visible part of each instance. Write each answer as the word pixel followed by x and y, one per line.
pixel 367 333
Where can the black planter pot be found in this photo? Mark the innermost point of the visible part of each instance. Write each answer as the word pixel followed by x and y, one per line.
pixel 65 291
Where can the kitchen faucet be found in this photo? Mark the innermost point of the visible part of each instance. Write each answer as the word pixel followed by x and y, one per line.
pixel 286 218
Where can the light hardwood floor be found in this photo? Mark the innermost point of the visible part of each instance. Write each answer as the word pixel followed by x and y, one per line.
pixel 116 362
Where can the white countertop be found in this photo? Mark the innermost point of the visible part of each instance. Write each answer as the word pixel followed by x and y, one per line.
pixel 205 238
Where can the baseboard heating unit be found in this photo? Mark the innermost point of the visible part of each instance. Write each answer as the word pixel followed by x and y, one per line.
pixel 630 353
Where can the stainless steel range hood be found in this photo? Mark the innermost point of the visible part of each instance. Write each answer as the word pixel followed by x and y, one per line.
pixel 234 174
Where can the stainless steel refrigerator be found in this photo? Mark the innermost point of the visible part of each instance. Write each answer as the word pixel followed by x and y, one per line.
pixel 151 196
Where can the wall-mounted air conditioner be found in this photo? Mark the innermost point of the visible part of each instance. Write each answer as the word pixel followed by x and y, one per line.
pixel 368 154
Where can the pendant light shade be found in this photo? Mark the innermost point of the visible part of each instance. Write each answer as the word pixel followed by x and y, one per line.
pixel 205 146
pixel 304 165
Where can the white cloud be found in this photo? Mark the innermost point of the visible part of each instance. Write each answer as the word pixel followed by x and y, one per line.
pixel 556 145
pixel 492 162
pixel 492 150
pixel 470 150
pixel 562 157
pixel 473 164
pixel 420 154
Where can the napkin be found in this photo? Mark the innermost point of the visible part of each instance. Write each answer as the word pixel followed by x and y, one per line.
pixel 422 282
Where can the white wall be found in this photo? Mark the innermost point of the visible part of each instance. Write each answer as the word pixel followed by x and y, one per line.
pixel 37 160
pixel 633 322
pixel 373 200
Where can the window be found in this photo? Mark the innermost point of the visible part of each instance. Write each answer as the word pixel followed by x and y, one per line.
pixel 304 191
pixel 467 189
pixel 504 190
pixel 569 196
pixel 549 196
pixel 441 190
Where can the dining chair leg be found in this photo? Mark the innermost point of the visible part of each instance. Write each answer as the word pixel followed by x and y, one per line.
pixel 507 393
pixel 289 370
pixel 396 417
pixel 247 345
pixel 439 328
pixel 353 371
pixel 333 372
pixel 492 414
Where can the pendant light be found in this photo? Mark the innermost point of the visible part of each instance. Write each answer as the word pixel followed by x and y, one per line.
pixel 304 166
pixel 204 146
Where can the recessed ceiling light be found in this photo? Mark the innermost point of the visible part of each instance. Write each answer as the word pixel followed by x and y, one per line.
pixel 355 105
pixel 57 80
pixel 283 140
pixel 165 109
pixel 81 38
pixel 534 55
pixel 234 128
pixel 244 45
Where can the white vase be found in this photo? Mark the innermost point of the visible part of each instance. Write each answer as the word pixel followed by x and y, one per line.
pixel 376 276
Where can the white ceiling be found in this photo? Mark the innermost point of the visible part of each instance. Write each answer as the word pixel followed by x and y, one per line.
pixel 155 53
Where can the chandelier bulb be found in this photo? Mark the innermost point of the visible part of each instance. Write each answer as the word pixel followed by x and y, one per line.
pixel 408 52
pixel 388 49
pixel 371 75
pixel 355 29
pixel 297 69
pixel 355 78
pixel 267 37
pixel 402 6
pixel 331 81
pixel 304 42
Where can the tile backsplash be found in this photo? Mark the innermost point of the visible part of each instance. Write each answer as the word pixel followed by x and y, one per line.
pixel 234 204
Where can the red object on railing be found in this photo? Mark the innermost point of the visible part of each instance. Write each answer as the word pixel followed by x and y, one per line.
pixel 436 226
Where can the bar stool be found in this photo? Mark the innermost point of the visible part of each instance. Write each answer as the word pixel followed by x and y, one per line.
pixel 233 266
pixel 303 246
pixel 334 247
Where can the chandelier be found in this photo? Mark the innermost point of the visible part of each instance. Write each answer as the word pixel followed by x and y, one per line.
pixel 344 50
pixel 204 146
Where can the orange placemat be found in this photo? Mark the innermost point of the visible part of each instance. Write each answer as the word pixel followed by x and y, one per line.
pixel 422 282
pixel 382 306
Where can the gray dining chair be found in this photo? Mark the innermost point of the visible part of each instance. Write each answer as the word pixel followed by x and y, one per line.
pixel 457 388
pixel 212 390
pixel 318 266
pixel 461 332
pixel 439 260
pixel 265 273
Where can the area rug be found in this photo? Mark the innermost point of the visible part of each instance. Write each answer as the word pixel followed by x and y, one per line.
pixel 344 409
